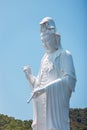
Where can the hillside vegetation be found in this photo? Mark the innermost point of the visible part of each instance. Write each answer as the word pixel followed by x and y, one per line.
pixel 78 121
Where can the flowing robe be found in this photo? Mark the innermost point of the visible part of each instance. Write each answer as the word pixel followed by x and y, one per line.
pixel 57 77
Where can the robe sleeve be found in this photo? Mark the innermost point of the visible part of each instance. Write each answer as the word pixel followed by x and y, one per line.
pixel 67 69
pixel 68 77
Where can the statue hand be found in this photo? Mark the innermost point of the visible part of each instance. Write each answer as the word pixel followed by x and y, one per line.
pixel 29 75
pixel 27 69
pixel 38 91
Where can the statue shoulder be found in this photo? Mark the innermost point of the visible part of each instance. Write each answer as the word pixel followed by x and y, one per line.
pixel 44 56
pixel 66 54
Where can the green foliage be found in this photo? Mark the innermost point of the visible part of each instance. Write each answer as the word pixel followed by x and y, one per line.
pixel 10 123
pixel 78 121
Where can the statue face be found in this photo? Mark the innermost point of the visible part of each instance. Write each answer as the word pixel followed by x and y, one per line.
pixel 43 28
pixel 48 38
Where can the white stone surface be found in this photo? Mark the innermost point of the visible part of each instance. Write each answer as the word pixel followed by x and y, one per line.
pixel 54 84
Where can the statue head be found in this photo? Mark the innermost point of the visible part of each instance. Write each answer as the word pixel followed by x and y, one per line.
pixel 49 24
pixel 49 37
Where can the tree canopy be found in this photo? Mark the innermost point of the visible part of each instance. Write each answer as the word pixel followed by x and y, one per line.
pixel 78 121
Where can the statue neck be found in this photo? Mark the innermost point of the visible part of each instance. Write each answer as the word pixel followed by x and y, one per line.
pixel 50 51
pixel 52 47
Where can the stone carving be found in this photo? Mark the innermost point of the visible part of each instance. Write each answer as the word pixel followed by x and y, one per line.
pixel 52 88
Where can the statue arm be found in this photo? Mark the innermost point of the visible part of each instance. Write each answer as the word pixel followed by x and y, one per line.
pixel 66 81
pixel 68 78
pixel 29 75
pixel 68 70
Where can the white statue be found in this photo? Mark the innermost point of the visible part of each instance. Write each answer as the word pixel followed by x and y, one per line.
pixel 54 84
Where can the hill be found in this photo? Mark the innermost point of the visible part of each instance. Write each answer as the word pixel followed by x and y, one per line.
pixel 78 121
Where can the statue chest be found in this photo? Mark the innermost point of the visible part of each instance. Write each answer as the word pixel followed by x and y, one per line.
pixel 49 70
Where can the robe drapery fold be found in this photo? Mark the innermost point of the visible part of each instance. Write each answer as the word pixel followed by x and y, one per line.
pixel 57 79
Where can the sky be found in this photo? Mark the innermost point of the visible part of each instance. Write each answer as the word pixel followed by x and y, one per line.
pixel 20 45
